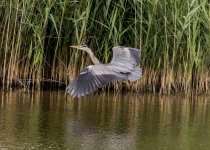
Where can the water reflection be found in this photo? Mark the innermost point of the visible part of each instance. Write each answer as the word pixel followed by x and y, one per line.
pixel 103 121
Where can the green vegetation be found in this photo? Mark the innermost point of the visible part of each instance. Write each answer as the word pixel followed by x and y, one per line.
pixel 174 37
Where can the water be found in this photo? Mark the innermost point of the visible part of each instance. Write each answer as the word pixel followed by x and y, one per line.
pixel 49 120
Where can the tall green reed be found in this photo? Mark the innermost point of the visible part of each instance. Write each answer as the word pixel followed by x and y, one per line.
pixel 173 37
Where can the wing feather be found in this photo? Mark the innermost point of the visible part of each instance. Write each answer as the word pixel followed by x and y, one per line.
pixel 126 55
pixel 91 78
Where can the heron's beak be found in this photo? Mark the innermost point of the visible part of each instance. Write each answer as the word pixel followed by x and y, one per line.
pixel 77 47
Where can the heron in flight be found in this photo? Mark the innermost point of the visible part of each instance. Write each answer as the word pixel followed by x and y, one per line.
pixel 123 66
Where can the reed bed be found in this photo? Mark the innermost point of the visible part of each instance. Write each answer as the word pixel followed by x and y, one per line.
pixel 174 37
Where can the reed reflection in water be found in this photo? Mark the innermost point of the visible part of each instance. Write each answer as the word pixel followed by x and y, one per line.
pixel 103 121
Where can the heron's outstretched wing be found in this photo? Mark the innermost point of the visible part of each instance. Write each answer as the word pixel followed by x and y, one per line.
pixel 129 58
pixel 126 55
pixel 93 77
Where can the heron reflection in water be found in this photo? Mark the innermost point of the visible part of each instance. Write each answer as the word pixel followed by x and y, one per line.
pixel 123 66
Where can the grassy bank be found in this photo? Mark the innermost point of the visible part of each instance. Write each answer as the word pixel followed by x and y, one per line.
pixel 174 37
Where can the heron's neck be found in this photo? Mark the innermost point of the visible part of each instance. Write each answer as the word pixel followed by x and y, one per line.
pixel 93 58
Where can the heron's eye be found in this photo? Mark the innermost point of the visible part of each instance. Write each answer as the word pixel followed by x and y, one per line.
pixel 84 45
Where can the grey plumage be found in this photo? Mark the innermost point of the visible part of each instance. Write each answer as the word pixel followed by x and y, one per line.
pixel 123 66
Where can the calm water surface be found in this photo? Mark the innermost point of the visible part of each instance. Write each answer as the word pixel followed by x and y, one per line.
pixel 47 120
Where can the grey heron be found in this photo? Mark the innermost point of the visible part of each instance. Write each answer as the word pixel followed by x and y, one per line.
pixel 123 66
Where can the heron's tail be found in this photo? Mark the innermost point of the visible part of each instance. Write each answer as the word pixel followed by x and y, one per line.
pixel 135 74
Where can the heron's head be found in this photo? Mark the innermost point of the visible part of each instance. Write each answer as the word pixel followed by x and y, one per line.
pixel 81 47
